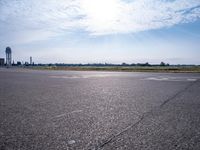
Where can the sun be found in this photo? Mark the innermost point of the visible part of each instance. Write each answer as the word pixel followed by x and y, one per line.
pixel 101 12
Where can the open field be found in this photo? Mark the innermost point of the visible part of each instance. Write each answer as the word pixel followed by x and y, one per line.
pixel 94 110
pixel 172 69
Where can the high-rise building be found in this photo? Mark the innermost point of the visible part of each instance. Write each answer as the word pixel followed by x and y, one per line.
pixel 31 61
pixel 8 56
pixel 1 61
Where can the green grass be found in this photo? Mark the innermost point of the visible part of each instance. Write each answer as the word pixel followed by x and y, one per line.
pixel 186 69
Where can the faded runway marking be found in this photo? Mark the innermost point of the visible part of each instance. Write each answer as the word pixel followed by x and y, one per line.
pixel 178 79
pixel 86 76
pixel 192 79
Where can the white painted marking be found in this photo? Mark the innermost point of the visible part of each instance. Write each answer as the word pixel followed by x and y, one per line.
pixel 85 76
pixel 160 78
pixel 192 79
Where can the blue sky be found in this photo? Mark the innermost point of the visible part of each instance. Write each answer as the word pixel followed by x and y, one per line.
pixel 99 31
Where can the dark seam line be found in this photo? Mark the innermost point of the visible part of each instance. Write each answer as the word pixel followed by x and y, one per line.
pixel 143 116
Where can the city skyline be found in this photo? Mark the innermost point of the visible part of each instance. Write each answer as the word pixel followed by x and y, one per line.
pixel 99 31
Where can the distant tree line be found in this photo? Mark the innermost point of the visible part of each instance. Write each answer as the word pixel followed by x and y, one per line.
pixel 162 64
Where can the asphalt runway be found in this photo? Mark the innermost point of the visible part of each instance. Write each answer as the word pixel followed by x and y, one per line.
pixel 68 110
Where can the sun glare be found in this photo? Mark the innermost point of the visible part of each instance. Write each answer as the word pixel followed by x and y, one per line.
pixel 101 12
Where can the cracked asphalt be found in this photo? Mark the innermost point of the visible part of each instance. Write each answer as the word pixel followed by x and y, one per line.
pixel 67 110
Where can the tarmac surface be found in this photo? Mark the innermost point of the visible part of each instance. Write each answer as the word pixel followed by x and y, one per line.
pixel 68 110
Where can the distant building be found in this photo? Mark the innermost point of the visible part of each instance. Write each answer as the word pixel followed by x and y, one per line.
pixel 8 56
pixel 31 61
pixel 2 61
pixel 26 63
pixel 19 63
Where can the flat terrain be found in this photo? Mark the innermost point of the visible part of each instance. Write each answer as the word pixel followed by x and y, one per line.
pixel 164 69
pixel 68 110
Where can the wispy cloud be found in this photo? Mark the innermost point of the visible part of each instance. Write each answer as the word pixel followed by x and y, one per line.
pixel 139 15
pixel 20 19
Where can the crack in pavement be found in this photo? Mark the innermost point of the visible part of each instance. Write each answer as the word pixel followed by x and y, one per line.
pixel 112 138
pixel 177 94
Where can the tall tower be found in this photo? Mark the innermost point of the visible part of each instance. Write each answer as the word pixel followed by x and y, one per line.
pixel 8 56
pixel 31 62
